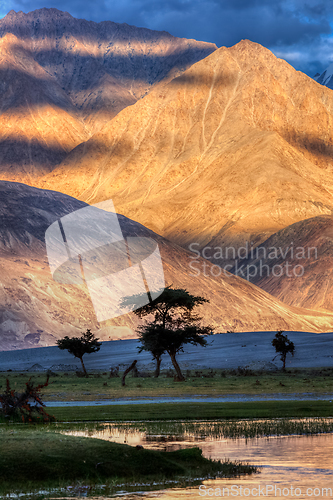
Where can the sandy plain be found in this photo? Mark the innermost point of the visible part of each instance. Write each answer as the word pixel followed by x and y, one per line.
pixel 225 351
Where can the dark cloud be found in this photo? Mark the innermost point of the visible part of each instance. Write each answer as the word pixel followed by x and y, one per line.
pixel 296 27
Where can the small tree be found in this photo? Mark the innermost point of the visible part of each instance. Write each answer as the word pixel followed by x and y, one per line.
pixel 283 346
pixel 27 405
pixel 174 325
pixel 78 346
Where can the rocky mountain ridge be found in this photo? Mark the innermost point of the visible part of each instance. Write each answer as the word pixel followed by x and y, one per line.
pixel 295 264
pixel 326 77
pixel 63 78
pixel 36 310
pixel 236 148
pixel 102 67
pixel 38 123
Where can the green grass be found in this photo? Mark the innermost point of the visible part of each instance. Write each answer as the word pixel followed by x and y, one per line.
pixel 33 458
pixel 173 430
pixel 205 382
pixel 170 431
pixel 195 411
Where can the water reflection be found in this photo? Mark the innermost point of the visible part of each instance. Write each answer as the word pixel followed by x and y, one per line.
pixel 181 431
pixel 291 466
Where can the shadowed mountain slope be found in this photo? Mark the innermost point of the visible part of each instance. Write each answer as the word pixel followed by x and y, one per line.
pixel 296 264
pixel 236 148
pixel 38 123
pixel 102 67
pixel 35 310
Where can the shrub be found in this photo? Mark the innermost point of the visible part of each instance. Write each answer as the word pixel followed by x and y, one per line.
pixel 26 406
pixel 114 372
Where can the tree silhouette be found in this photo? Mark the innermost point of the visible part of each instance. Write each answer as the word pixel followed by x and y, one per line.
pixel 283 346
pixel 174 324
pixel 78 346
pixel 149 337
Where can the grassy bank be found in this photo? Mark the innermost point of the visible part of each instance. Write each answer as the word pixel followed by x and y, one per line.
pixel 191 411
pixel 68 386
pixel 33 458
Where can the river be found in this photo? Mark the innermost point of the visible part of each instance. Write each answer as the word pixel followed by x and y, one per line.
pixel 291 466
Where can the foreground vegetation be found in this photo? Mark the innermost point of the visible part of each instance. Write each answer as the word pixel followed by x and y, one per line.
pixel 42 458
pixel 68 386
pixel 52 457
pixel 170 431
pixel 35 457
pixel 195 411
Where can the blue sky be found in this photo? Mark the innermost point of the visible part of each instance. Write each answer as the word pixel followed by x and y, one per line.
pixel 299 31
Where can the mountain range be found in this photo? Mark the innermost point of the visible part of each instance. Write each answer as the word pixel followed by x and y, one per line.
pixel 236 148
pixel 326 77
pixel 203 149
pixel 63 78
pixel 36 309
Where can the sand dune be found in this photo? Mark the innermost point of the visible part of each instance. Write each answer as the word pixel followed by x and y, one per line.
pixel 228 350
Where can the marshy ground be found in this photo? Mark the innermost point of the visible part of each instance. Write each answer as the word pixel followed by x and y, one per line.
pixel 35 457
pixel 38 457
pixel 99 385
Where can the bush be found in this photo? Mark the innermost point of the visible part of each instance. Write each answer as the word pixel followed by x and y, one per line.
pixel 245 372
pixel 114 371
pixel 26 406
pixel 209 374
